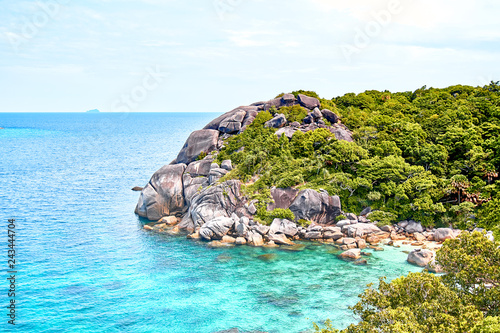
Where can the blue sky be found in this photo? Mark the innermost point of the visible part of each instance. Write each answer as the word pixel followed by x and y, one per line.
pixel 214 55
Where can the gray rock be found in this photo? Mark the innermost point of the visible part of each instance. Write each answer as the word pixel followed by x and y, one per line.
pixel 342 223
pixel 216 174
pixel 362 219
pixel 280 239
pixel 199 141
pixel 274 102
pixel 361 229
pixel 245 220
pixel 227 165
pixel 287 131
pixel 316 114
pixel 413 227
pixel 283 226
pixel 365 211
pixel 233 123
pixel 252 209
pixel 308 119
pixel 164 194
pixel 241 229
pixel 218 200
pixel 261 229
pixel 342 133
pixel 351 216
pixel 214 166
pixel 216 228
pixel 193 185
pixel 199 168
pixel 442 234
pixel 288 100
pixel 295 124
pixel 255 239
pixel 403 224
pixel 330 116
pixel 314 227
pixel 317 207
pixel 215 124
pixel 420 257
pixel 351 254
pixel 309 102
pixel 313 235
pixel 282 197
pixel 277 122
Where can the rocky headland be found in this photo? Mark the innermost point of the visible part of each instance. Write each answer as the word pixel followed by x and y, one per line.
pixel 191 195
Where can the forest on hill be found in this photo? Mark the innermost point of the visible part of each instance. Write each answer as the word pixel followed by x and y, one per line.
pixel 431 155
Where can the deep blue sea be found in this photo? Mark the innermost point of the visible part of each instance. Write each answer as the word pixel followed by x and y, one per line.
pixel 84 263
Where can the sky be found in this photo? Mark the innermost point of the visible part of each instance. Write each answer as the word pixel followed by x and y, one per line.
pixel 215 55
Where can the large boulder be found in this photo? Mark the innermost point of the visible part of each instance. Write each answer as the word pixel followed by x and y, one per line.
pixel 442 234
pixel 317 207
pixel 214 201
pixel 282 197
pixel 277 122
pixel 200 168
pixel 420 257
pixel 283 226
pixel 287 131
pixel 288 100
pixel 361 229
pixel 273 102
pixel 233 123
pixel 164 194
pixel 342 133
pixel 216 228
pixel 280 239
pixel 309 102
pixel 330 116
pixel 192 186
pixel 204 140
pixel 215 124
pixel 351 254
pixel 414 227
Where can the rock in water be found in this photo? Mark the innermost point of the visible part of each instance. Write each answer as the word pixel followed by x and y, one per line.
pixel 351 254
pixel 420 257
pixel 164 194
pixel 137 188
pixel 216 228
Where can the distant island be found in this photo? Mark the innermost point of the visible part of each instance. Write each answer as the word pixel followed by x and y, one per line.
pixel 93 111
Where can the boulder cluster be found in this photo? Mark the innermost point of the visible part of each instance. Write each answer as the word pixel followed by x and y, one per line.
pixel 189 187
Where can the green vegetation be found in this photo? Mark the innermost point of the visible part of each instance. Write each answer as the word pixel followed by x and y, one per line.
pixel 466 299
pixel 431 155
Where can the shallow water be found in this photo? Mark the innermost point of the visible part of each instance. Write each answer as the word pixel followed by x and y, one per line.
pixel 85 264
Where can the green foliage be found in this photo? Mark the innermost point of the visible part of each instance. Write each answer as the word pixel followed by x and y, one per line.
pixel 267 217
pixel 202 155
pixel 294 113
pixel 383 218
pixel 489 216
pixel 431 155
pixel 466 299
pixel 472 264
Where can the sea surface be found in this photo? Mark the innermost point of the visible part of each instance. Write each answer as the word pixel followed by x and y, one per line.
pixel 84 263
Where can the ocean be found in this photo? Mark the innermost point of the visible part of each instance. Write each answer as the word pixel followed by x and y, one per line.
pixel 84 263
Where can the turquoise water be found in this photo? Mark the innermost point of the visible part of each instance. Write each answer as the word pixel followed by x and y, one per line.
pixel 85 264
